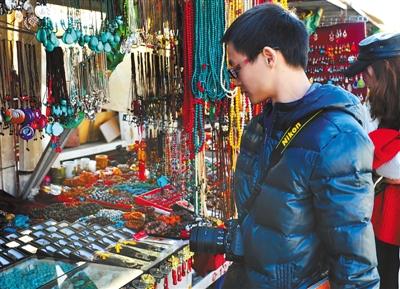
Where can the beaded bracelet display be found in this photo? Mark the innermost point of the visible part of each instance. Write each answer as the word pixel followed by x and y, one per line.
pixel 33 273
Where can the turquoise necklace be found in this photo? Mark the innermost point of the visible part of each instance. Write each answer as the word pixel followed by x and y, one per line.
pixel 208 62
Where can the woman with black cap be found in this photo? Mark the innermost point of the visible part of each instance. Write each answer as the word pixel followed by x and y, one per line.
pixel 379 63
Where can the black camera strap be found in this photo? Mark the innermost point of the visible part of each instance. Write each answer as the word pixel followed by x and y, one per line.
pixel 278 151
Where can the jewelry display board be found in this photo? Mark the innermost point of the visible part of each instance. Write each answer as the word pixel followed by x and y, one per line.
pixel 74 255
pixel 332 49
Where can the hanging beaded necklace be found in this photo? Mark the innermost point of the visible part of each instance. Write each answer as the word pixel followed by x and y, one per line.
pixel 206 85
pixel 93 83
pixel 7 78
pixel 57 96
pixel 3 83
pixel 236 118
pixel 34 77
pixel 188 43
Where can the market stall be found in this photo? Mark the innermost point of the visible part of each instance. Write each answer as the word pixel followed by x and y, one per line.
pixel 140 93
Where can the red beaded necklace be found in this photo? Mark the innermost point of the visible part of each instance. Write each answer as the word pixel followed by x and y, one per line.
pixel 188 47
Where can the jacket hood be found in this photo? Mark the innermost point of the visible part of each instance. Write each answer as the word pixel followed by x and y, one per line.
pixel 318 97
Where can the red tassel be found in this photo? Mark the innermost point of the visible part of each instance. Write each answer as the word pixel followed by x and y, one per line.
pixel 166 282
pixel 174 277
pixel 179 271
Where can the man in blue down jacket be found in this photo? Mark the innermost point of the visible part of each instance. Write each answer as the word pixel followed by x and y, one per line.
pixel 312 209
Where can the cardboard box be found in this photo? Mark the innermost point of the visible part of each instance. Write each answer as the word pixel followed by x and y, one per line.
pixel 110 129
pixel 89 130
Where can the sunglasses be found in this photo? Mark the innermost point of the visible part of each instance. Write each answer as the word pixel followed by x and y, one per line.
pixel 234 71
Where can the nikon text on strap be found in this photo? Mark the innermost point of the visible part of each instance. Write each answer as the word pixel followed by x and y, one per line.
pixel 278 151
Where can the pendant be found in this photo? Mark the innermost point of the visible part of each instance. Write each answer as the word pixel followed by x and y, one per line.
pixel 26 132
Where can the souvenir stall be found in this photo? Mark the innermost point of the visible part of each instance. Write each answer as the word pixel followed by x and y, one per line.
pixel 120 217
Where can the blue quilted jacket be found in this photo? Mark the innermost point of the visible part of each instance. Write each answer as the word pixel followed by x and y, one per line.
pixel 313 209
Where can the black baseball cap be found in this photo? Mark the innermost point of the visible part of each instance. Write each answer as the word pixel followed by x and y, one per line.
pixel 373 48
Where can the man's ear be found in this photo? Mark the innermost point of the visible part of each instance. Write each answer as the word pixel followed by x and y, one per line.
pixel 270 55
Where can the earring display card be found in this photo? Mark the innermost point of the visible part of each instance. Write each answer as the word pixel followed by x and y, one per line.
pixel 48 250
pixel 102 243
pixel 51 229
pixel 89 238
pixel 26 232
pixel 74 237
pixel 60 254
pixel 14 254
pixel 75 244
pixel 50 223
pixel 67 231
pixel 13 244
pixel 2 241
pixel 78 227
pixel 67 251
pixel 39 234
pixel 84 233
pixel 63 224
pixel 96 227
pixel 12 236
pixel 30 249
pixel 38 227
pixel 84 240
pixel 55 236
pixel 4 261
pixel 61 242
pixel 25 239
pixel 100 233
pixel 41 242
pixel 110 228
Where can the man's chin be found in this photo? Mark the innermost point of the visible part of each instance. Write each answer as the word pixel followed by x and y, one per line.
pixel 256 100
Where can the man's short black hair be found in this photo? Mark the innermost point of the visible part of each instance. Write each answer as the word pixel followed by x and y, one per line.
pixel 269 25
